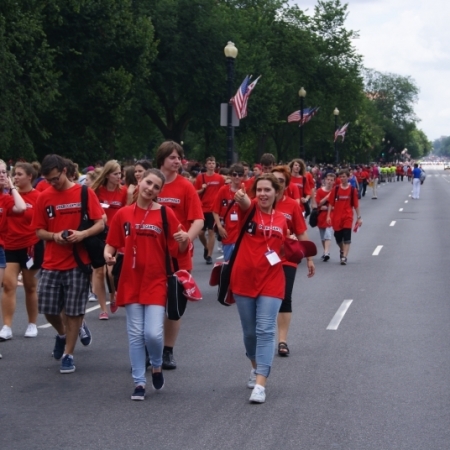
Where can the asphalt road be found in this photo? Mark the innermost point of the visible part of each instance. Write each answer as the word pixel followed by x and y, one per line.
pixel 378 381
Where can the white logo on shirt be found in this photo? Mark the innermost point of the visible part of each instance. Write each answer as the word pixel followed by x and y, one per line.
pixel 177 201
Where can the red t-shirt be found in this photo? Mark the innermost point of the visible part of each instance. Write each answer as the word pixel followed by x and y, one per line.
pixel 343 209
pixel 223 199
pixel 146 284
pixel 180 196
pixel 42 186
pixel 19 232
pixel 293 191
pixel 6 206
pixel 252 275
pixel 57 211
pixel 249 183
pixel 213 183
pixel 321 193
pixel 115 199
pixel 303 187
pixel 294 218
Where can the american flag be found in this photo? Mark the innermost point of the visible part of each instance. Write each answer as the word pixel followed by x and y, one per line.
pixel 341 132
pixel 308 114
pixel 240 100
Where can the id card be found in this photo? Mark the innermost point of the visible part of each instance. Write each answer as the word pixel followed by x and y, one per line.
pixel 234 217
pixel 272 257
pixel 30 263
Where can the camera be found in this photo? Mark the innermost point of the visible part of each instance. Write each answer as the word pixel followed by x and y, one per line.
pixel 65 234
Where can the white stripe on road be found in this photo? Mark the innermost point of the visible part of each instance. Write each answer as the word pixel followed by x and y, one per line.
pixel 340 313
pixel 377 250
pixel 401 209
pixel 406 201
pixel 409 195
pixel 392 223
pixel 92 308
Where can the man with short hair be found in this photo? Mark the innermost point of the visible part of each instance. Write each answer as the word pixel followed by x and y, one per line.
pixel 179 194
pixel 63 286
pixel 208 185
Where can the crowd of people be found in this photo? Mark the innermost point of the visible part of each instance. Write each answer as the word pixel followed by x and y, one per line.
pixel 149 210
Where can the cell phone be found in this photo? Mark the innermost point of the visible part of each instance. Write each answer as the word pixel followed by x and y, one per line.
pixel 65 234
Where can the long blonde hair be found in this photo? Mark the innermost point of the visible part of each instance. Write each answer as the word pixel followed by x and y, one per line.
pixel 110 167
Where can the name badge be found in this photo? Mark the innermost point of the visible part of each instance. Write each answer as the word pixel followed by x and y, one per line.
pixel 234 217
pixel 272 257
pixel 30 263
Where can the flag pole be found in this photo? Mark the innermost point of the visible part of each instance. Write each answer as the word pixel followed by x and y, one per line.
pixel 302 95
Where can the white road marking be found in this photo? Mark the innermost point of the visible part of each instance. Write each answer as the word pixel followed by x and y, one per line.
pixel 377 251
pixel 93 308
pixel 409 195
pixel 401 209
pixel 392 223
pixel 406 201
pixel 336 320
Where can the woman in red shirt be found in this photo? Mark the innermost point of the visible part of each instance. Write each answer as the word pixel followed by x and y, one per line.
pixel 8 203
pixel 258 259
pixel 296 226
pixel 112 196
pixel 142 289
pixel 24 252
pixel 303 180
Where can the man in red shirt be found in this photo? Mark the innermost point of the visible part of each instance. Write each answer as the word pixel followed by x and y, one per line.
pixel 63 285
pixel 208 185
pixel 179 194
pixel 342 200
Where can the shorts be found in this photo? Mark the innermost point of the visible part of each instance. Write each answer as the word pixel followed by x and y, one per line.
pixel 66 290
pixel 289 275
pixel 21 256
pixel 2 258
pixel 343 236
pixel 326 233
pixel 209 221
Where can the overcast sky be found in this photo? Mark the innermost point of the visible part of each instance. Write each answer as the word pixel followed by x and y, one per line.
pixel 407 37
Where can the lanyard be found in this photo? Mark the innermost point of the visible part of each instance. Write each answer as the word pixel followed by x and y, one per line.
pixel 135 232
pixel 264 227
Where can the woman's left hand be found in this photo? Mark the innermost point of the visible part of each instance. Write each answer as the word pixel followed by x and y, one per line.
pixel 311 268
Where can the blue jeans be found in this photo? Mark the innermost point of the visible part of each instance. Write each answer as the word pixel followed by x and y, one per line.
pixel 258 319
pixel 227 251
pixel 145 329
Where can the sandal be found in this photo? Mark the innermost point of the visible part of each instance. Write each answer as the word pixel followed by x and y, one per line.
pixel 283 349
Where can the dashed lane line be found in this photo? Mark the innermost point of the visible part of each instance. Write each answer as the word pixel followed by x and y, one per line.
pixel 401 209
pixel 392 223
pixel 340 313
pixel 406 201
pixel 377 251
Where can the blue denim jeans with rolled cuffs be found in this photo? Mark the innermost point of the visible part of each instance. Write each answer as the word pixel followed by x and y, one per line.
pixel 259 318
pixel 145 325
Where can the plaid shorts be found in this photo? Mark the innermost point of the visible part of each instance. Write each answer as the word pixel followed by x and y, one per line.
pixel 66 290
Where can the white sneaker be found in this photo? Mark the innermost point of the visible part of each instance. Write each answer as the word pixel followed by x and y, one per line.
pixel 32 331
pixel 258 394
pixel 252 379
pixel 5 333
pixel 92 297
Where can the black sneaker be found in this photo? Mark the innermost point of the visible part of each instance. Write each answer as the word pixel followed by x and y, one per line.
pixel 67 365
pixel 139 393
pixel 158 380
pixel 60 345
pixel 85 334
pixel 205 253
pixel 209 260
pixel 168 361
pixel 326 257
pixel 343 261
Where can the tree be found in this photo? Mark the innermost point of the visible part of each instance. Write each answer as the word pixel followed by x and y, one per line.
pixel 28 80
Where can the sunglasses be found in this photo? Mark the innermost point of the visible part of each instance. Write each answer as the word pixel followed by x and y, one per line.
pixel 54 179
pixel 237 174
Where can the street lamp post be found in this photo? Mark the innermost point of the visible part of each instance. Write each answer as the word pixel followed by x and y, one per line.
pixel 302 95
pixel 230 52
pixel 336 153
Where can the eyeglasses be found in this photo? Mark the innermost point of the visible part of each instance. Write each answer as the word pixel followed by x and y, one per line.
pixel 54 179
pixel 281 180
pixel 237 174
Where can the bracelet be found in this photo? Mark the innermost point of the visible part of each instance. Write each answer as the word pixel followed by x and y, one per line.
pixel 13 188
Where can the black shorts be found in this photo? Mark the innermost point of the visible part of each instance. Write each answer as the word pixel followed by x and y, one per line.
pixel 343 236
pixel 289 274
pixel 209 221
pixel 22 255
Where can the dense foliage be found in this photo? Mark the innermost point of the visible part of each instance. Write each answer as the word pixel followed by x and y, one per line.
pixel 96 79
